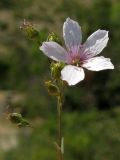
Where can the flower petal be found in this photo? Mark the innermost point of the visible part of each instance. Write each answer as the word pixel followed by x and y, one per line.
pixel 98 64
pixel 71 33
pixel 95 44
pixel 54 51
pixel 72 74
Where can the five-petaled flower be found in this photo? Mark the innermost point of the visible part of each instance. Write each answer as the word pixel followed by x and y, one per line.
pixel 76 55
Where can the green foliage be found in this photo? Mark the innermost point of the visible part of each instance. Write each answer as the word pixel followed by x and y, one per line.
pixel 93 135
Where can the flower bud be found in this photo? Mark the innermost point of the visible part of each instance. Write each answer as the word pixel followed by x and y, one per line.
pixel 53 37
pixel 56 69
pixel 24 123
pixel 52 88
pixel 15 118
pixel 18 119
pixel 31 32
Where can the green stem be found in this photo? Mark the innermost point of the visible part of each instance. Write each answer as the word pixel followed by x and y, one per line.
pixel 59 107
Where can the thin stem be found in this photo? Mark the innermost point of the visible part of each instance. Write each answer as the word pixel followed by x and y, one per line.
pixel 59 107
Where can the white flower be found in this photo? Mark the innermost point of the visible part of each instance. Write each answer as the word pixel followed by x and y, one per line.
pixel 76 55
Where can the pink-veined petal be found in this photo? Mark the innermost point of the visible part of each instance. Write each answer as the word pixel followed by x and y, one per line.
pixel 54 51
pixel 72 74
pixel 95 44
pixel 98 64
pixel 71 33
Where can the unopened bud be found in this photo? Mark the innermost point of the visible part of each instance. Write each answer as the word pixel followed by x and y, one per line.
pixel 18 120
pixel 24 123
pixel 53 37
pixel 56 69
pixel 52 88
pixel 15 117
pixel 31 32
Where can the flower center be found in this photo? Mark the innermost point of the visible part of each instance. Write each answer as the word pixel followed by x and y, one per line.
pixel 73 57
pixel 75 60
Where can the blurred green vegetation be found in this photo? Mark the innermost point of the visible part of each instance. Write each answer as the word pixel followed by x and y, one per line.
pixel 93 135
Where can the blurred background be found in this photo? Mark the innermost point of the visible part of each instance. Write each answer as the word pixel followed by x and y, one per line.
pixel 91 109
